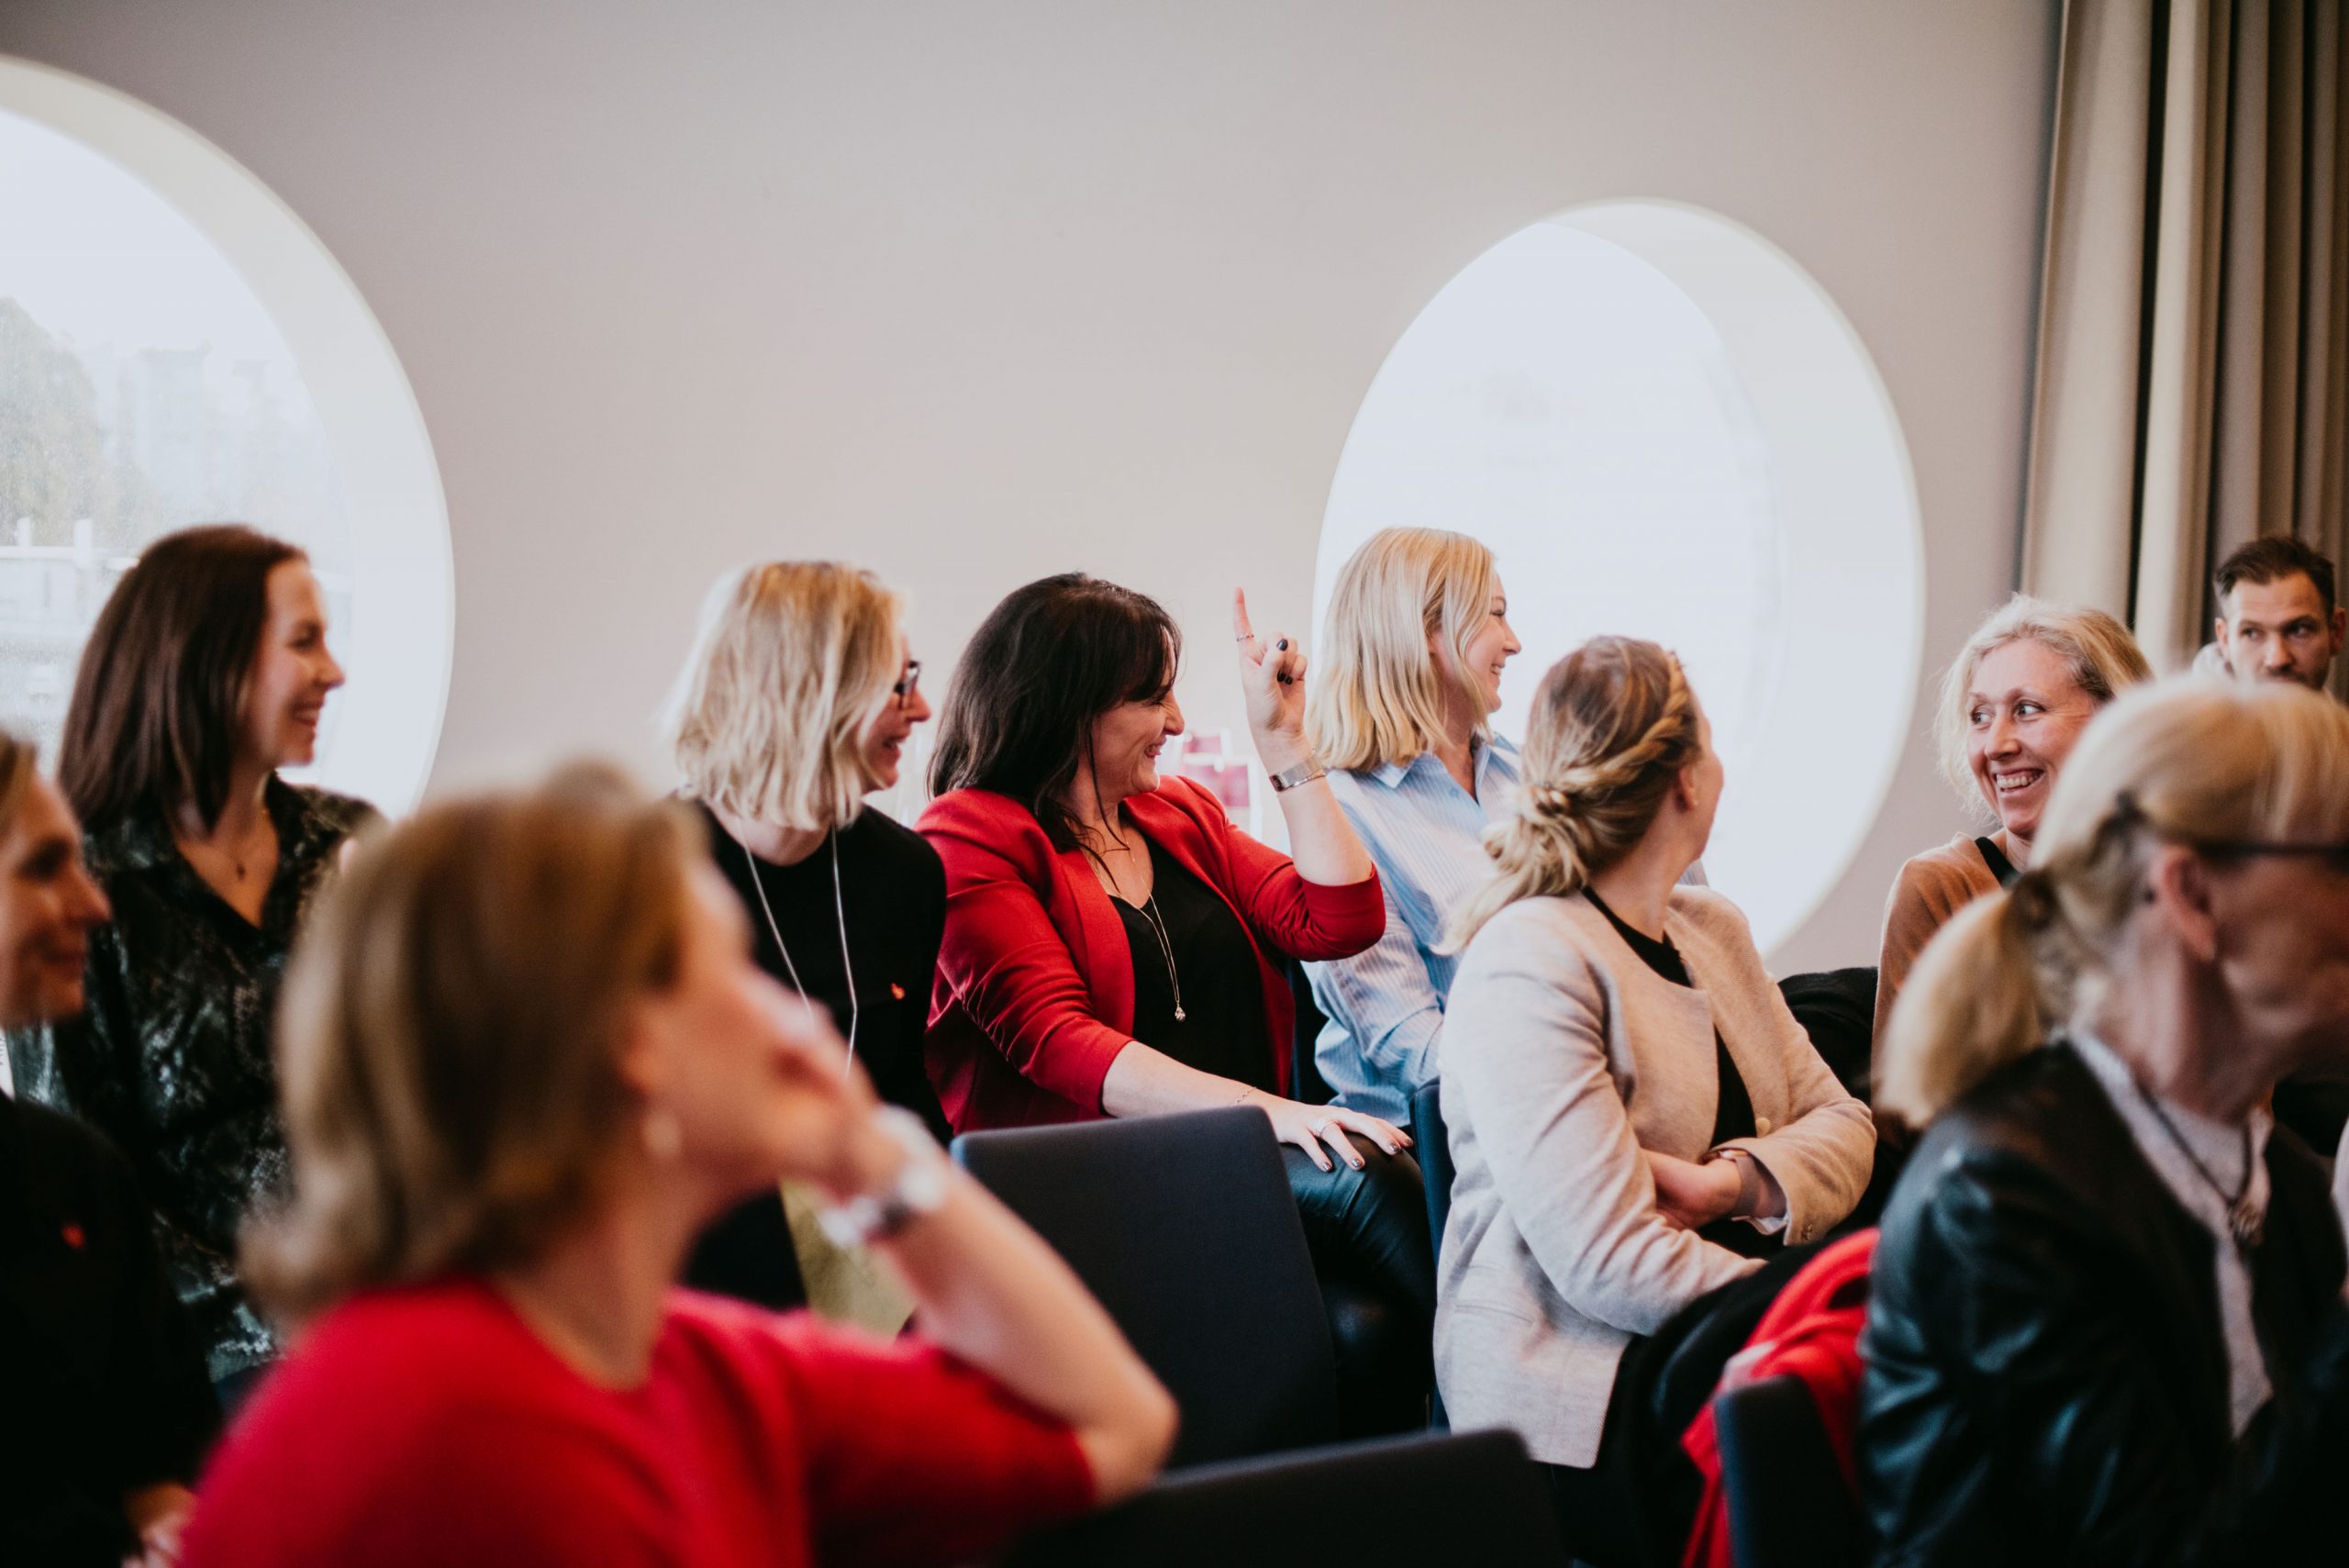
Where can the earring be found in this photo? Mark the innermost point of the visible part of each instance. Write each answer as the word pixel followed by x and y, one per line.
pixel 663 1139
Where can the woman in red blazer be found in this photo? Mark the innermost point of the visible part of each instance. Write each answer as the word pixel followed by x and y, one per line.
pixel 1113 944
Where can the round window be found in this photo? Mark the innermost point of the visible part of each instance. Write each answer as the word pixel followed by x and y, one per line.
pixel 1664 428
pixel 176 348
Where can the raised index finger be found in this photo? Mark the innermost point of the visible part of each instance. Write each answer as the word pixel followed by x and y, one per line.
pixel 1242 631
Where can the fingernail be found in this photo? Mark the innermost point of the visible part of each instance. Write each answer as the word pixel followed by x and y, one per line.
pixel 1282 645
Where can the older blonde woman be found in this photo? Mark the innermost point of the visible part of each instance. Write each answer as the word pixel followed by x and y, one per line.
pixel 2012 706
pixel 2105 1321
pixel 796 701
pixel 1635 1116
pixel 526 1055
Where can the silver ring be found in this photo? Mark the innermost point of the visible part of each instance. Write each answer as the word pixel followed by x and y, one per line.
pixel 1321 1129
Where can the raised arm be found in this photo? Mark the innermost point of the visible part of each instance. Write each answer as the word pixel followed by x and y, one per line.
pixel 1272 678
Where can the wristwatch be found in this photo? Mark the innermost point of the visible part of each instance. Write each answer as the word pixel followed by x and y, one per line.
pixel 919 1187
pixel 1304 773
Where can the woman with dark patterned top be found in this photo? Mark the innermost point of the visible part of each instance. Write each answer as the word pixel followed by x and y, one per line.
pixel 207 672
pixel 795 703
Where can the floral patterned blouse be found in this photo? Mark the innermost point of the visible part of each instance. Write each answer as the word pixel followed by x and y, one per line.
pixel 172 1060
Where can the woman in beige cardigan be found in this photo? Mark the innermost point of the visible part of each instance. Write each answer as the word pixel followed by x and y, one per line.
pixel 1634 1115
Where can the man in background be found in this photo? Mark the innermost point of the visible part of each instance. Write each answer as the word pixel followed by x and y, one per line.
pixel 2277 617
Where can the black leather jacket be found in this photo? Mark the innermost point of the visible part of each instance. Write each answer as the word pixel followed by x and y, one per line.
pixel 2046 1372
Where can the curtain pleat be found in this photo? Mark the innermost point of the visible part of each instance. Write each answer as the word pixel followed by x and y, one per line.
pixel 2192 378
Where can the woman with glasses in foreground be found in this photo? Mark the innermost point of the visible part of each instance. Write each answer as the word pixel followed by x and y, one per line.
pixel 2106 1321
pixel 527 1056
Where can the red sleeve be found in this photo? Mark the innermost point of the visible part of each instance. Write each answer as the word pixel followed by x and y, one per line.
pixel 913 1456
pixel 1003 957
pixel 1301 918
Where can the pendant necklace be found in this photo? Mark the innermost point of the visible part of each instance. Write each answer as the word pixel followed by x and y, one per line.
pixel 840 912
pixel 1165 950
pixel 2243 1219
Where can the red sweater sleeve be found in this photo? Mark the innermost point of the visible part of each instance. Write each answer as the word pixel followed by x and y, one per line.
pixel 1002 957
pixel 913 1456
pixel 1301 918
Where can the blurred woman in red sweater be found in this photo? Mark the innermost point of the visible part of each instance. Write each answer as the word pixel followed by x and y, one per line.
pixel 527 1056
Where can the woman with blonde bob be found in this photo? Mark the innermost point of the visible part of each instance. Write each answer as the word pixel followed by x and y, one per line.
pixel 1635 1116
pixel 1417 637
pixel 2106 1321
pixel 527 1056
pixel 2012 706
pixel 798 701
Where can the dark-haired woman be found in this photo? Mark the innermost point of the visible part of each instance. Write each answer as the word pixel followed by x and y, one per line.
pixel 207 672
pixel 1111 941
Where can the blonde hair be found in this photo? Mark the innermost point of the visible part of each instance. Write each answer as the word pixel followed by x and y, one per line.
pixel 1378 694
pixel 791 661
pixel 1614 724
pixel 447 1038
pixel 2098 650
pixel 2191 762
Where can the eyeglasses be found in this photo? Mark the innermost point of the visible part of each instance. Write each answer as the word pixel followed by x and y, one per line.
pixel 907 684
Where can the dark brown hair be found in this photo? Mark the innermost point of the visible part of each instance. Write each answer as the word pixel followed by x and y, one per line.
pixel 2271 560
pixel 1046 662
pixel 449 1036
pixel 153 721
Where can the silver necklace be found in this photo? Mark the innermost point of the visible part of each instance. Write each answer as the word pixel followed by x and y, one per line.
pixel 1165 950
pixel 839 913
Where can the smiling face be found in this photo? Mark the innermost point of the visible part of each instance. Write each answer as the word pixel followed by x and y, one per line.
pixel 886 732
pixel 2281 632
pixel 1125 744
pixel 49 905
pixel 285 695
pixel 2024 714
pixel 1478 664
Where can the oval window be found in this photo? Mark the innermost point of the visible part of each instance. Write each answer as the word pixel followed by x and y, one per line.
pixel 1664 428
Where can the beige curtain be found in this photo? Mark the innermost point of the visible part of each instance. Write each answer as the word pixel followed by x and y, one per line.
pixel 2192 386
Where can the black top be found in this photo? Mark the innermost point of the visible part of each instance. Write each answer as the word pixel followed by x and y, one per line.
pixel 891 890
pixel 2046 1358
pixel 1996 859
pixel 1222 1027
pixel 102 1385
pixel 172 1060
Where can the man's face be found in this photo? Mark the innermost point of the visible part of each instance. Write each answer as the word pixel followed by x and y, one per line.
pixel 2279 631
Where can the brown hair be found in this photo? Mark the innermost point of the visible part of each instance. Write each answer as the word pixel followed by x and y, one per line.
pixel 1614 724
pixel 152 724
pixel 448 1036
pixel 2193 761
pixel 19 763
pixel 2271 560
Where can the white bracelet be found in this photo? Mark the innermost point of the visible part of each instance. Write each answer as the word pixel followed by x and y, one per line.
pixel 919 1187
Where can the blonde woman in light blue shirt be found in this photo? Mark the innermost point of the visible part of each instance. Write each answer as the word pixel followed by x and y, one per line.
pixel 1406 679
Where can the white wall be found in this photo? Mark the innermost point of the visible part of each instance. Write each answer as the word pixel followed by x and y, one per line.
pixel 971 292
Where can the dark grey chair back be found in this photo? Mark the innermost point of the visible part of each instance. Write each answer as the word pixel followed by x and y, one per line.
pixel 1184 1228
pixel 1788 1504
